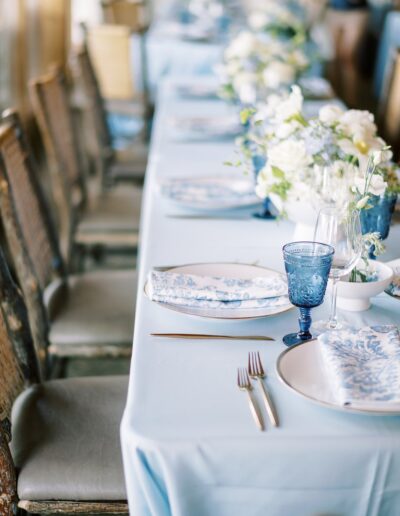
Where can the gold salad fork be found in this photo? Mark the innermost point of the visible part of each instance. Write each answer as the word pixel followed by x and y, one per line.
pixel 244 384
pixel 256 371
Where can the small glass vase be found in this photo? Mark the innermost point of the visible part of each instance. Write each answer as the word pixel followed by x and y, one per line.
pixel 259 161
pixel 378 218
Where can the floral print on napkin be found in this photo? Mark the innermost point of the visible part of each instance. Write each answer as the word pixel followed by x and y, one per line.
pixel 363 365
pixel 218 292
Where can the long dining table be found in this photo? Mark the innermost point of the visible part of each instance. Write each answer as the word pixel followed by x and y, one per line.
pixel 190 447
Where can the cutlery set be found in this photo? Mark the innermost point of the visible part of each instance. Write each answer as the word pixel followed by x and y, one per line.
pixel 256 372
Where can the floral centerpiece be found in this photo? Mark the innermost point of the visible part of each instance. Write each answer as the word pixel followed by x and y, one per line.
pixel 257 63
pixel 319 160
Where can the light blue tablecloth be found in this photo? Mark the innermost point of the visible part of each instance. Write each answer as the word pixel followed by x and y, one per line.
pixel 190 446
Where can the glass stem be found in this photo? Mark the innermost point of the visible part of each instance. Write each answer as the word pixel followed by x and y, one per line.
pixel 305 323
pixel 333 318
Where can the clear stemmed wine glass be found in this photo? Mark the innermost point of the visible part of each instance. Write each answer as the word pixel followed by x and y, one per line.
pixel 341 229
pixel 307 267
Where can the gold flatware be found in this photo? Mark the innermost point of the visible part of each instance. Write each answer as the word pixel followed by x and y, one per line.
pixel 210 336
pixel 244 384
pixel 256 371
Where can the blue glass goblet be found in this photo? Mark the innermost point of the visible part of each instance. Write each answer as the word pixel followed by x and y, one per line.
pixel 307 267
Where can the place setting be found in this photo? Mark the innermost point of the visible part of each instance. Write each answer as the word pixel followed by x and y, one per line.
pixel 209 194
pixel 200 128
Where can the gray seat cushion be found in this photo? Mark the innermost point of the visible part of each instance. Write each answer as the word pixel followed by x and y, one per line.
pixel 98 310
pixel 66 439
pixel 115 210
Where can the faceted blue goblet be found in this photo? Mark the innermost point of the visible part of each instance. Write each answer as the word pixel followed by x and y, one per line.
pixel 307 267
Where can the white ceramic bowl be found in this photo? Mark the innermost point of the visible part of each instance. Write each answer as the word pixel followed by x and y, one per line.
pixel 355 297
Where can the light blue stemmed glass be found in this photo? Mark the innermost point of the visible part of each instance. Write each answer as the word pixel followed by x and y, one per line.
pixel 307 267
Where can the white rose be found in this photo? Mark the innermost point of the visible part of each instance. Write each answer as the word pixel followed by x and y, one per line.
pixel 330 114
pixel 381 156
pixel 290 156
pixel 265 180
pixel 258 20
pixel 244 85
pixel 291 106
pixel 357 124
pixel 377 185
pixel 242 46
pixel 278 73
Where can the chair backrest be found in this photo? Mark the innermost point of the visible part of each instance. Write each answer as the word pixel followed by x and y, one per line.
pixel 30 234
pixel 131 13
pixel 96 116
pixel 110 50
pixel 390 108
pixel 50 100
pixel 18 366
pixel 95 104
pixel 389 41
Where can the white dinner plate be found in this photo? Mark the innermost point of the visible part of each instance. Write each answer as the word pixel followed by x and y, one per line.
pixel 301 369
pixel 197 90
pixel 209 193
pixel 228 270
pixel 205 127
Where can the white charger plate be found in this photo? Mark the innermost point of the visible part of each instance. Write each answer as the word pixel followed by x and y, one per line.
pixel 228 270
pixel 301 369
pixel 185 199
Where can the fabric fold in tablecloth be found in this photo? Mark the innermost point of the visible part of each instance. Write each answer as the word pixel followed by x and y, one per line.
pixel 217 292
pixel 363 365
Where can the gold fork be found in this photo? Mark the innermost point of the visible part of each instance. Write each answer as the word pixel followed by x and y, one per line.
pixel 244 384
pixel 256 371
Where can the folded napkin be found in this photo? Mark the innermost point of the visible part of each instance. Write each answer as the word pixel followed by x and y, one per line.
pixel 190 190
pixel 363 366
pixel 217 292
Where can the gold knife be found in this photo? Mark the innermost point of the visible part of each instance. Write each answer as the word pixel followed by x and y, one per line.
pixel 202 336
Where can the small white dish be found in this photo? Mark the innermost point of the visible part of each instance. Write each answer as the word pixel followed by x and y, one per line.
pixel 355 297
pixel 228 270
pixel 301 369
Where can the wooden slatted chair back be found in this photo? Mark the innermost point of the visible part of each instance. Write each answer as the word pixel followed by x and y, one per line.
pixel 50 100
pixel 96 109
pixel 30 233
pixel 110 50
pixel 18 368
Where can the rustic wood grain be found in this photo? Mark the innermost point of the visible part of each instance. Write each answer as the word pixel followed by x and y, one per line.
pixel 70 508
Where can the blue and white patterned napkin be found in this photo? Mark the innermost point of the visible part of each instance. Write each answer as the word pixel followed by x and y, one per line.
pixel 194 191
pixel 217 292
pixel 363 365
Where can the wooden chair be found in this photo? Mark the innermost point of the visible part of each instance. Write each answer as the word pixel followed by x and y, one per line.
pixel 113 165
pixel 133 13
pixel 390 107
pixel 107 218
pixel 90 314
pixel 59 440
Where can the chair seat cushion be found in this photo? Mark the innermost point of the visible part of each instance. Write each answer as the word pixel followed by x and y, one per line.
pixel 65 439
pixel 116 210
pixel 97 310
